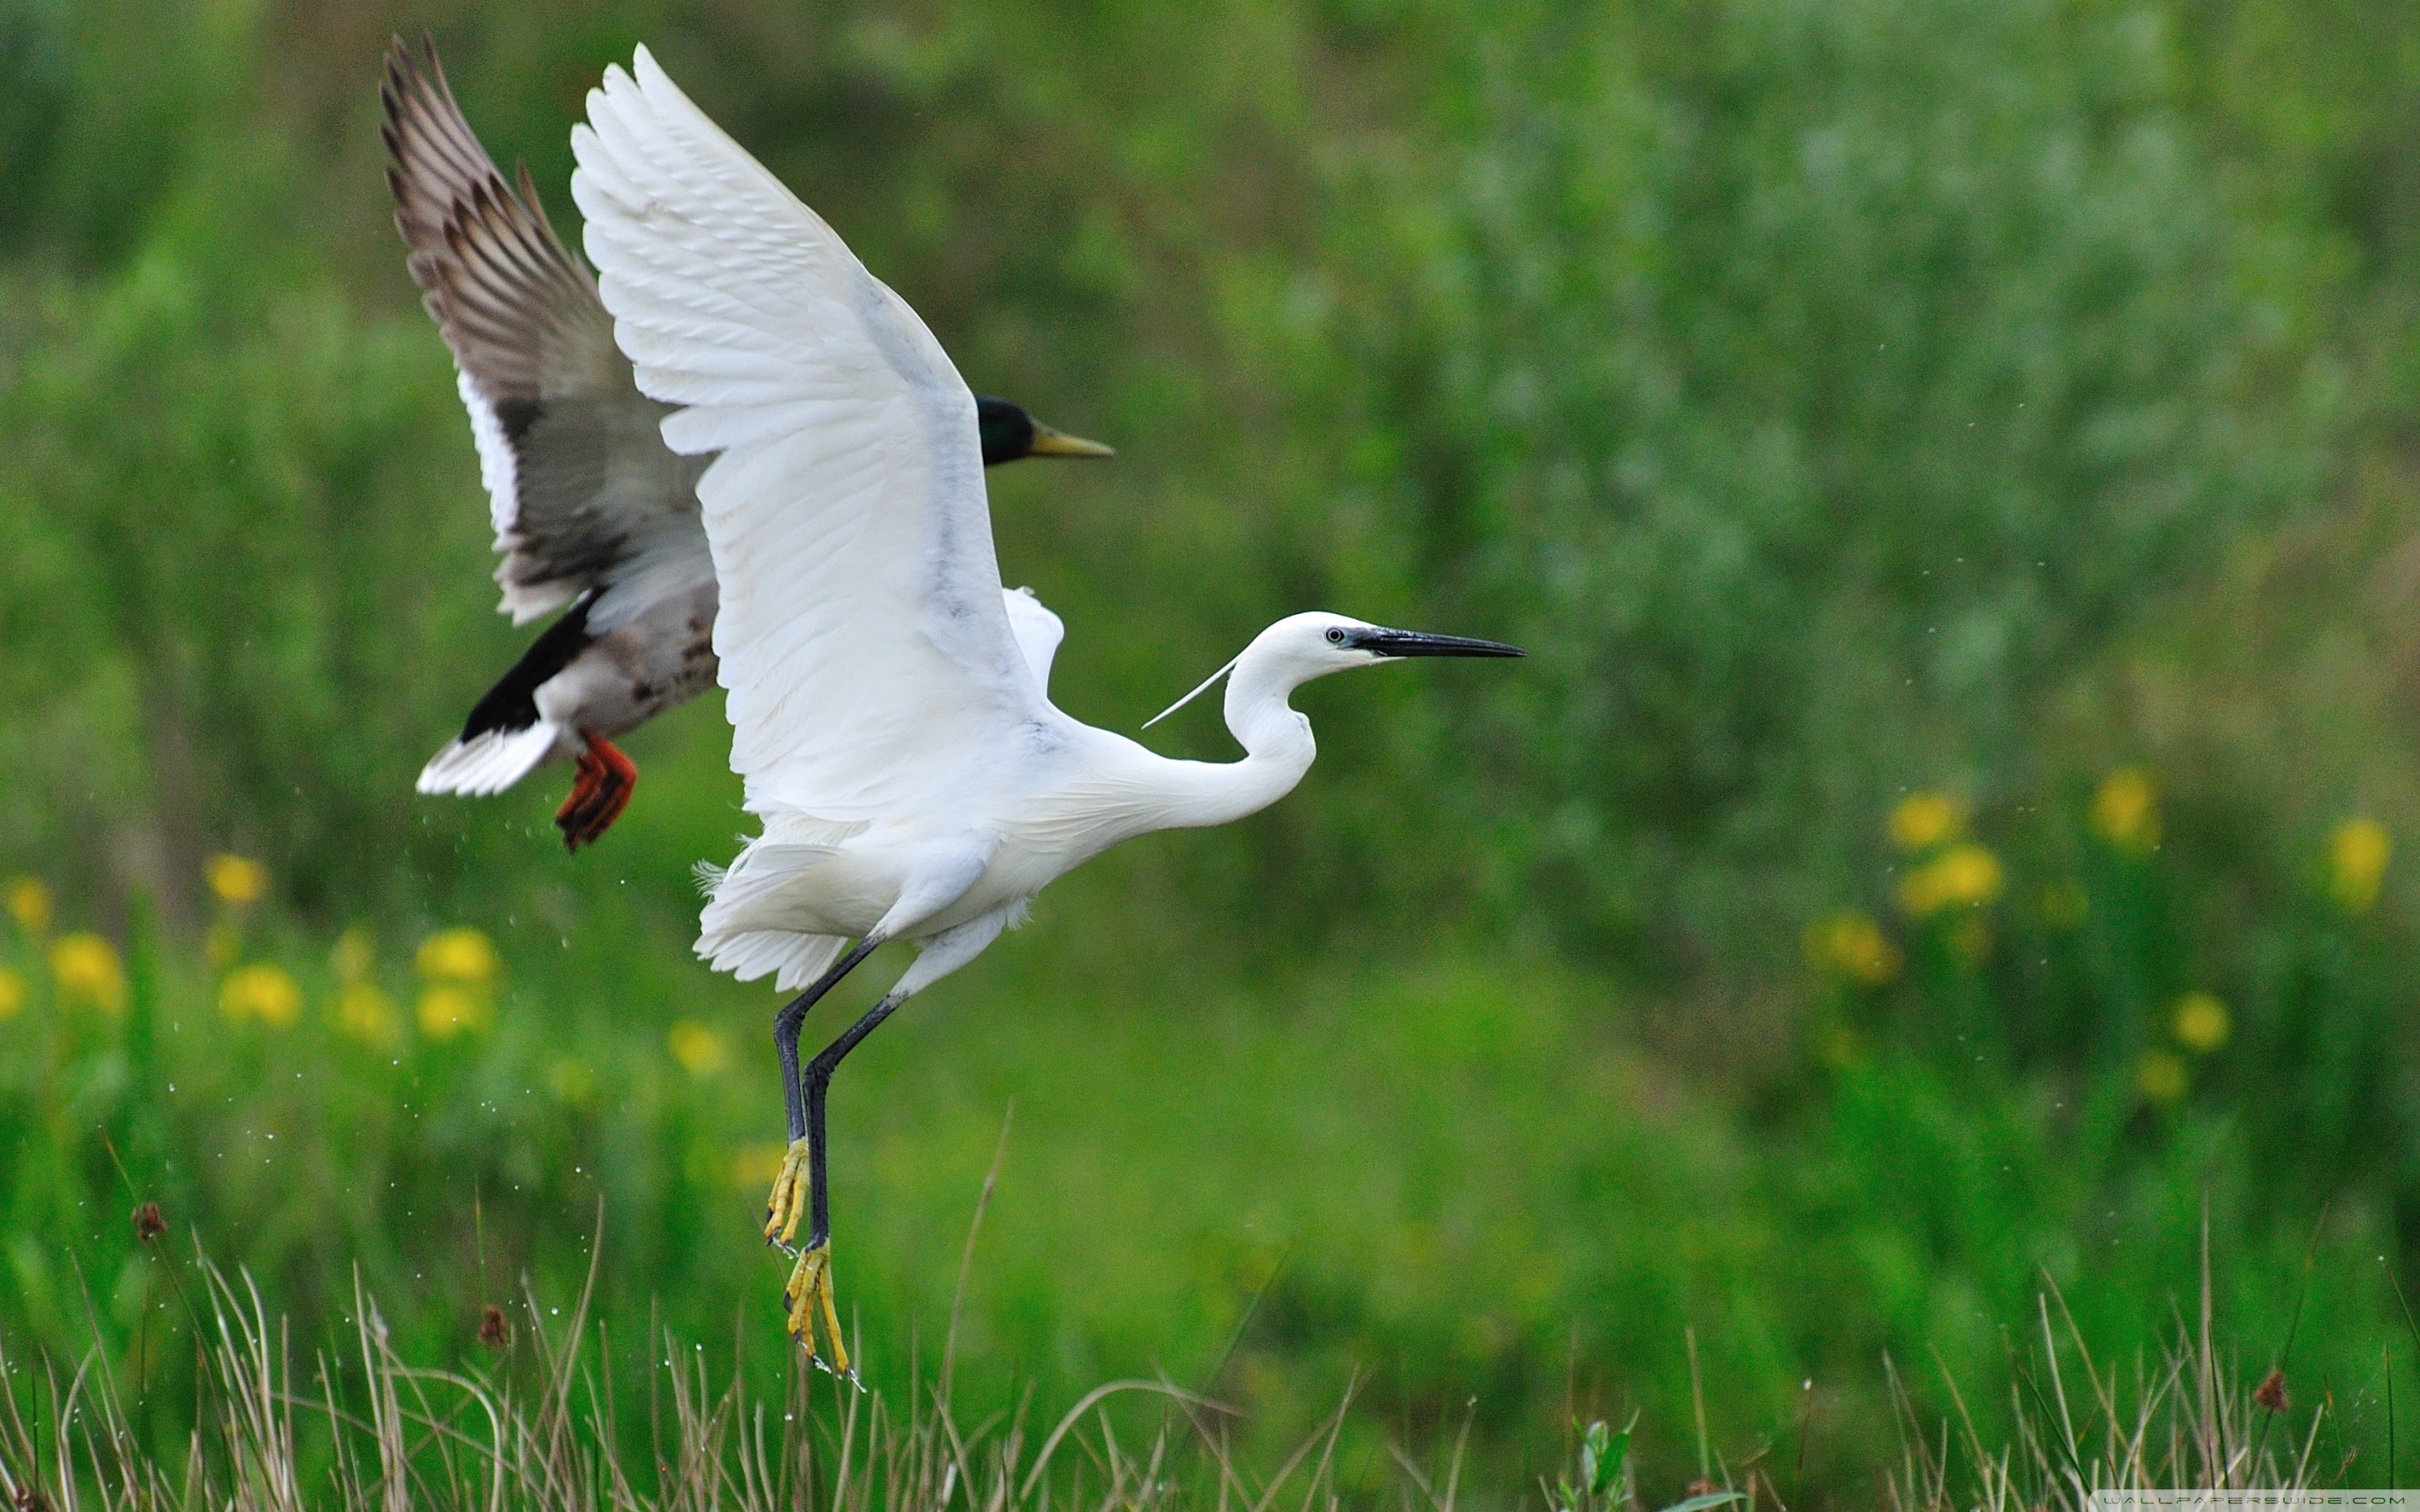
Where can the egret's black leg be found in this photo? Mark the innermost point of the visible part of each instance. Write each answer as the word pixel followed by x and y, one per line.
pixel 819 1072
pixel 810 1291
pixel 786 1030
pixel 784 1204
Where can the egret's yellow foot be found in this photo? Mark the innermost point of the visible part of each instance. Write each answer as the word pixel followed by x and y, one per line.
pixel 808 1295
pixel 788 1203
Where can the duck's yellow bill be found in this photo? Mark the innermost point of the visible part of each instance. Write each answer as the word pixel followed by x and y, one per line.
pixel 1048 442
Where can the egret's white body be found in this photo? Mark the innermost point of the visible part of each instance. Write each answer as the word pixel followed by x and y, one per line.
pixel 1043 797
pixel 913 779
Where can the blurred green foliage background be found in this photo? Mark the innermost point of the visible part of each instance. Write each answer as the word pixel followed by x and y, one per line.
pixel 1953 464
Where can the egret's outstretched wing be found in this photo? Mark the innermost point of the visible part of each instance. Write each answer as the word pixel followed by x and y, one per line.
pixel 580 487
pixel 864 638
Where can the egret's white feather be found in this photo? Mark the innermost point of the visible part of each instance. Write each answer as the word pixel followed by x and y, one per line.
pixel 1038 632
pixel 762 866
pixel 792 960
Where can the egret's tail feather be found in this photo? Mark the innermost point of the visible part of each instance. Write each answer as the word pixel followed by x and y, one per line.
pixel 747 895
pixel 490 761
pixel 800 959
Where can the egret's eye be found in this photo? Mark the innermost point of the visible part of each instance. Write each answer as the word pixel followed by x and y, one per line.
pixel 1336 635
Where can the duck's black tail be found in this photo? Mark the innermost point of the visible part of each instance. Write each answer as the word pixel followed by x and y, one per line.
pixel 504 737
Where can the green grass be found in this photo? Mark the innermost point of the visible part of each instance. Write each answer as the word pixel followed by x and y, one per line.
pixel 1474 1196
pixel 534 1420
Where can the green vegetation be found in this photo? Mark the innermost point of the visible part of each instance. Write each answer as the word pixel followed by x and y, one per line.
pixel 1949 463
pixel 527 1425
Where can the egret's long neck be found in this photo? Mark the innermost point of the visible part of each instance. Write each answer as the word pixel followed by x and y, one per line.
pixel 1277 750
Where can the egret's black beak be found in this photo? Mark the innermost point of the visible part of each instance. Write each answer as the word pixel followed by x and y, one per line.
pixel 1413 644
pixel 1048 442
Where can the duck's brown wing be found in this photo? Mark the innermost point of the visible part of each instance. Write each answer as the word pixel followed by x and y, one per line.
pixel 581 488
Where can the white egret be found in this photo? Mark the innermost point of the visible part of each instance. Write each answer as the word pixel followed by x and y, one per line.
pixel 591 508
pixel 913 780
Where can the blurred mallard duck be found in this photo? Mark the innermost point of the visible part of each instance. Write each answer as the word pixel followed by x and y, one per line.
pixel 594 515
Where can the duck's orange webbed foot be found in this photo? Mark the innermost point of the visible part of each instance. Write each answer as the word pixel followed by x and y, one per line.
pixel 598 795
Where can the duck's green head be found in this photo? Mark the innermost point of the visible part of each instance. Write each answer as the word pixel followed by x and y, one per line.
pixel 1009 433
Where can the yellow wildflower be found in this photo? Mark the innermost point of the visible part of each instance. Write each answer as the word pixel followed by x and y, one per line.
pixel 458 955
pixel 2126 811
pixel 86 969
pixel 447 1009
pixel 355 955
pixel 2357 856
pixel 572 1082
pixel 238 880
pixel 12 993
pixel 2162 1077
pixel 29 904
pixel 1926 819
pixel 1963 874
pixel 364 1013
pixel 755 1166
pixel 261 992
pixel 2202 1023
pixel 701 1051
pixel 1852 946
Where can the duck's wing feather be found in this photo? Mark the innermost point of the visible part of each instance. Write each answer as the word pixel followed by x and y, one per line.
pixel 581 488
pixel 864 642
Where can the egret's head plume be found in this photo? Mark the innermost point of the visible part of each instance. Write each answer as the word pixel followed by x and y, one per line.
pixel 1207 684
